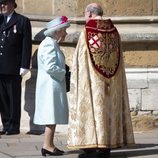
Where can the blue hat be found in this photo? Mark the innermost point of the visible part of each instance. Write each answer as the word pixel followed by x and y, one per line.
pixel 55 24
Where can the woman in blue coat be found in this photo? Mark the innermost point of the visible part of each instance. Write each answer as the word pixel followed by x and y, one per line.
pixel 51 100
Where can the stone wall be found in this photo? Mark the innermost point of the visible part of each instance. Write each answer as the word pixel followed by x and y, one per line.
pixel 76 8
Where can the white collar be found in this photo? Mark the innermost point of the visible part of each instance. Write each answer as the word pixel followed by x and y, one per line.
pixel 9 16
pixel 98 17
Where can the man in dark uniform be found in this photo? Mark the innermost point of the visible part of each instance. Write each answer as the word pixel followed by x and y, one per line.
pixel 15 55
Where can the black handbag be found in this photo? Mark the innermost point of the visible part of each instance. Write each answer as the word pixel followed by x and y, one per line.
pixel 67 76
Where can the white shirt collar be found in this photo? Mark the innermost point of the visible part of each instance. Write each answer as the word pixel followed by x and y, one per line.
pixel 98 17
pixel 9 16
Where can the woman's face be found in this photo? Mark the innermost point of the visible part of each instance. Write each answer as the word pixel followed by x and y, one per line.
pixel 87 15
pixel 61 34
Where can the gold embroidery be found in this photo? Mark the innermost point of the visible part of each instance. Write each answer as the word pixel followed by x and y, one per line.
pixel 104 48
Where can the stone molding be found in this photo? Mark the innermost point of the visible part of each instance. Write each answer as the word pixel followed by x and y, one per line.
pixel 128 33
pixel 143 88
pixel 132 29
pixel 116 19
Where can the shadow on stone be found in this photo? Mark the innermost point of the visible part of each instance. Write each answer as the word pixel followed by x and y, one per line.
pixel 139 146
pixel 40 35
pixel 134 153
pixel 35 132
pixel 29 106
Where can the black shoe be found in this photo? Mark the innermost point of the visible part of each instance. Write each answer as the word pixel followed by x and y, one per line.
pixel 84 155
pixel 2 132
pixel 12 132
pixel 104 153
pixel 89 155
pixel 56 152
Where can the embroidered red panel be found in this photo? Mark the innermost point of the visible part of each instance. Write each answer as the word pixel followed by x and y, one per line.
pixel 104 46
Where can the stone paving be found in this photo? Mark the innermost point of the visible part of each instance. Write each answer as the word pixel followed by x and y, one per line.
pixel 29 146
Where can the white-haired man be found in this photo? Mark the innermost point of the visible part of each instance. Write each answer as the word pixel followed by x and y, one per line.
pixel 99 117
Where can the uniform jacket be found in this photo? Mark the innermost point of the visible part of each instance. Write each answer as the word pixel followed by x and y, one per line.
pixel 51 99
pixel 15 44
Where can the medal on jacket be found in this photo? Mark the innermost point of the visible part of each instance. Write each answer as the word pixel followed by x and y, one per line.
pixel 14 29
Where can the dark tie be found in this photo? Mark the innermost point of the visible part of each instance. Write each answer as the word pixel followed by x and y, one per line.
pixel 5 19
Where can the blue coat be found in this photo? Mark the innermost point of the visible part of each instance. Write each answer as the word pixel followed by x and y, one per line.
pixel 51 100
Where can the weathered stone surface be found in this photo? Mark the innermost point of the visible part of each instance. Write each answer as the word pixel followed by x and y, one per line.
pixel 68 52
pixel 144 58
pixel 19 6
pixel 144 122
pixel 144 112
pixel 136 78
pixel 120 7
pixel 134 113
pixel 129 8
pixel 149 99
pixel 155 7
pixel 64 7
pixel 38 7
pixel 153 79
pixel 155 113
pixel 134 98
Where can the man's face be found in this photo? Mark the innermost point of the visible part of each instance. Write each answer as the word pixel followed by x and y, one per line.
pixel 87 15
pixel 7 7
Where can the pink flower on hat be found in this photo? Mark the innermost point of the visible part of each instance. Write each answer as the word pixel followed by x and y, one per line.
pixel 57 23
pixel 64 19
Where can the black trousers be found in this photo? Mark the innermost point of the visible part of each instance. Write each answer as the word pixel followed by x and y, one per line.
pixel 10 101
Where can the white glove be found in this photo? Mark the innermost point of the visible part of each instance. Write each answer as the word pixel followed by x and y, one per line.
pixel 23 71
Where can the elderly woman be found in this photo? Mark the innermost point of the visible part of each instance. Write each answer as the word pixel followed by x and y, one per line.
pixel 51 100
